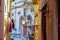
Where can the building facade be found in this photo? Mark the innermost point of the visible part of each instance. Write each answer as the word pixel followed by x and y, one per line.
pixel 1 20
pixel 22 12
pixel 48 23
pixel 50 15
pixel 6 19
pixel 46 27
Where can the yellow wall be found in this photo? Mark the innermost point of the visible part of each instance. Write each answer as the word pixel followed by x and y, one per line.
pixel 37 21
pixel 6 19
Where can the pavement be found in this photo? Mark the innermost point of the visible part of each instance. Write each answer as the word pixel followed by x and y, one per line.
pixel 17 36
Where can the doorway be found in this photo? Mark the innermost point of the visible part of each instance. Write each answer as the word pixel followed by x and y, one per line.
pixel 44 22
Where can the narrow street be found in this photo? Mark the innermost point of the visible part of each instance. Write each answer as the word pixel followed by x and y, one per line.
pixel 20 19
pixel 30 20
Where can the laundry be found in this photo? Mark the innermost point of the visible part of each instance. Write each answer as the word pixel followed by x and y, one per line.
pixel 11 25
pixel 25 29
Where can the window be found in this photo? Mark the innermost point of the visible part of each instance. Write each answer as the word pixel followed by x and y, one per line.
pixel 0 2
pixel 13 0
pixel 18 13
pixel 5 9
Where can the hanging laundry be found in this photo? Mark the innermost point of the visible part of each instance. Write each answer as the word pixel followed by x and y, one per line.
pixel 25 29
pixel 11 25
